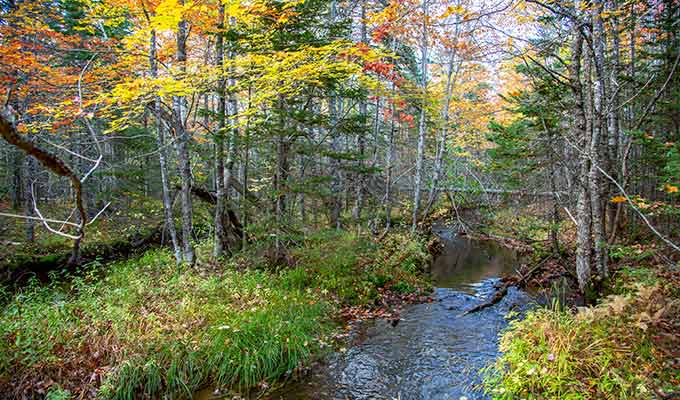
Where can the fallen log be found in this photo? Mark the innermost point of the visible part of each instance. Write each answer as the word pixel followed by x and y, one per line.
pixel 503 290
pixel 16 273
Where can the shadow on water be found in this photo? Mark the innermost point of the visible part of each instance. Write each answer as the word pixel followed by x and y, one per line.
pixel 433 353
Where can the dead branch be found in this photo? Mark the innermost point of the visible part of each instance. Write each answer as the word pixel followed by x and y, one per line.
pixel 503 290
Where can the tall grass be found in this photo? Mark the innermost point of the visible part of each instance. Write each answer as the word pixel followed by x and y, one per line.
pixel 603 352
pixel 149 328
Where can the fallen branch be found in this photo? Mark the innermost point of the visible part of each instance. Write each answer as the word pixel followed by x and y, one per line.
pixel 231 219
pixel 503 290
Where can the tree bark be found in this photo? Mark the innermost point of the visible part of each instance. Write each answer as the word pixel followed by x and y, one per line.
pixel 441 148
pixel 598 138
pixel 361 144
pixel 336 203
pixel 420 158
pixel 182 138
pixel 162 157
pixel 220 234
pixel 579 132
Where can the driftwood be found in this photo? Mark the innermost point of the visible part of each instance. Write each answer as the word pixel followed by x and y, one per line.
pixel 503 290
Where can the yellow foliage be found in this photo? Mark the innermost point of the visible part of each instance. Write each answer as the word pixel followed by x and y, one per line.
pixel 453 10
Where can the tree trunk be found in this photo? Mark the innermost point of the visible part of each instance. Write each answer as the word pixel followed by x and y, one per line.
pixel 220 182
pixel 361 144
pixel 389 157
pixel 182 138
pixel 441 147
pixel 336 202
pixel 162 157
pixel 17 179
pixel 27 198
pixel 614 129
pixel 422 119
pixel 598 138
pixel 583 242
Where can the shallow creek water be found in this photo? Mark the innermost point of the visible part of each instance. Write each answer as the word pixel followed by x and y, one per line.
pixel 433 352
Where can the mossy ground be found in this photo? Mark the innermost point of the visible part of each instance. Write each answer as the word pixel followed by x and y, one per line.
pixel 148 328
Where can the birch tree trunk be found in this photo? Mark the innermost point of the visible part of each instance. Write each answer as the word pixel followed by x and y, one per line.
pixel 280 183
pixel 361 144
pixel 389 156
pixel 422 120
pixel 220 181
pixel 162 157
pixel 599 136
pixel 27 198
pixel 182 138
pixel 336 203
pixel 441 147
pixel 614 127
pixel 232 111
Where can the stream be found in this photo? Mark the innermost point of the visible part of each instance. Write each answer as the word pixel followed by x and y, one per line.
pixel 433 352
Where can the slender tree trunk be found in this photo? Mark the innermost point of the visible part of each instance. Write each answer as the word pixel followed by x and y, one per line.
pixel 280 184
pixel 220 182
pixel 422 119
pixel 555 214
pixel 232 111
pixel 27 198
pixel 615 139
pixel 17 179
pixel 336 203
pixel 598 138
pixel 182 138
pixel 361 144
pixel 583 241
pixel 441 147
pixel 389 167
pixel 162 157
pixel 389 157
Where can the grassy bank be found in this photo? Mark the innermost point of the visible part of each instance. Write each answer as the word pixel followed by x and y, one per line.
pixel 623 348
pixel 148 327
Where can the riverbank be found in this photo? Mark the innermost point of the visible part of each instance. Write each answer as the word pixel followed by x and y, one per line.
pixel 148 327
pixel 623 346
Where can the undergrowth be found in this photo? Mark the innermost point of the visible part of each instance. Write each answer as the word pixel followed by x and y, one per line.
pixel 150 329
pixel 620 349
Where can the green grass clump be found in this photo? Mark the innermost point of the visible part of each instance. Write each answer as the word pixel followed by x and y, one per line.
pixel 351 269
pixel 147 327
pixel 602 352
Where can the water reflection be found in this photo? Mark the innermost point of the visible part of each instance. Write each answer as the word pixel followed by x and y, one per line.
pixel 434 353
pixel 464 263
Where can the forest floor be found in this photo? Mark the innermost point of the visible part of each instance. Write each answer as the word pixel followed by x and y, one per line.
pixel 145 326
